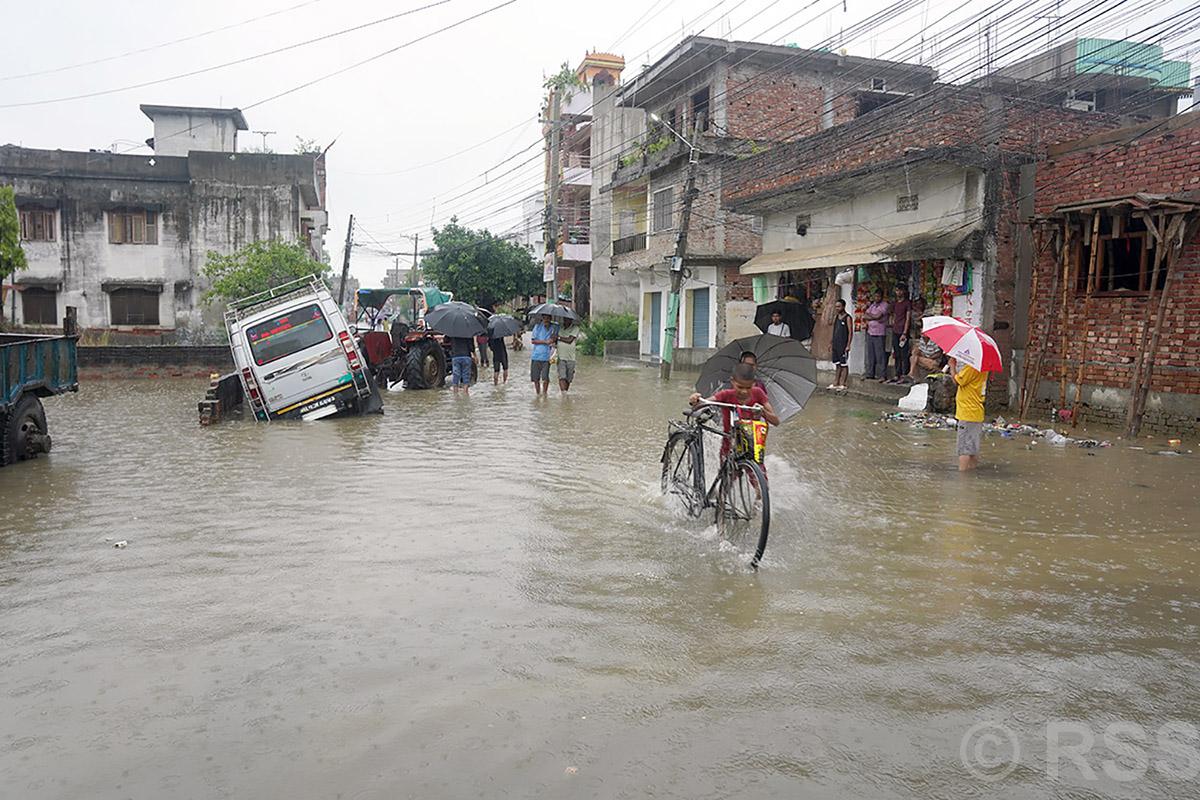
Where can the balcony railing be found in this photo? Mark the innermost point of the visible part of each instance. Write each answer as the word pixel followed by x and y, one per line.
pixel 629 244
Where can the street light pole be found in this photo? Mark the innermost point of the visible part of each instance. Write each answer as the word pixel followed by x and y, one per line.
pixel 685 219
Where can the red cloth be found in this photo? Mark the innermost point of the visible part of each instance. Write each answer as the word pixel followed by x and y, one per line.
pixel 758 396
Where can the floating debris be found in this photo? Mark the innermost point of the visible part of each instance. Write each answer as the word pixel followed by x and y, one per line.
pixel 1001 427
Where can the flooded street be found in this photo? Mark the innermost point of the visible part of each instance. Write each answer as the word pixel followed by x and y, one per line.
pixel 490 598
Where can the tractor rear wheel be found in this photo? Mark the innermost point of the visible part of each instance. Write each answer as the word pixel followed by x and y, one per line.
pixel 425 366
pixel 24 431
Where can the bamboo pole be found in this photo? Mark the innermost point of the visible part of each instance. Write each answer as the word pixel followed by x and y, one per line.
pixel 1065 317
pixel 1158 232
pixel 1175 239
pixel 1033 366
pixel 1092 278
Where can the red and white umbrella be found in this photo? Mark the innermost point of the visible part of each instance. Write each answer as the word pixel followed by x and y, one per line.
pixel 963 341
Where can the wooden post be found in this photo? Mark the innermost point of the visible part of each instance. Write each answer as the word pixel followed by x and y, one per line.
pixel 1066 316
pixel 1092 279
pixel 1177 235
pixel 1158 234
pixel 1036 374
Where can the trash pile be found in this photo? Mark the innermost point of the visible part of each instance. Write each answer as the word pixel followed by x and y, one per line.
pixel 1001 427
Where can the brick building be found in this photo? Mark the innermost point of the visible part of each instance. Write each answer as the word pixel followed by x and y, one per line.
pixel 925 193
pixel 732 99
pixel 1136 192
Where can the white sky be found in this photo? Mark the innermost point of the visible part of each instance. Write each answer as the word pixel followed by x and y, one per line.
pixel 480 81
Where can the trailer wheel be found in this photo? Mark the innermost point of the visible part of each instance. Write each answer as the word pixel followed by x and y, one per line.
pixel 425 367
pixel 25 431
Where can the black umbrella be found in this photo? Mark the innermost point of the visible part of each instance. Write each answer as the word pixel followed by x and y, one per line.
pixel 501 325
pixel 795 313
pixel 785 366
pixel 455 319
pixel 553 309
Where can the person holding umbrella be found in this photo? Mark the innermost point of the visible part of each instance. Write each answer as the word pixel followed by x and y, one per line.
pixel 545 333
pixel 979 355
pixel 459 322
pixel 499 326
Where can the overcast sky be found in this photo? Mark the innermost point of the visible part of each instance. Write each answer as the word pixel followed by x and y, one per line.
pixel 391 117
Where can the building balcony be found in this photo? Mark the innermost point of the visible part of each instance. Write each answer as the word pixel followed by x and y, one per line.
pixel 577 176
pixel 629 244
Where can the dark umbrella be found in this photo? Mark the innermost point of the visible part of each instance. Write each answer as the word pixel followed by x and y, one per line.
pixel 553 309
pixel 501 325
pixel 785 366
pixel 796 314
pixel 455 319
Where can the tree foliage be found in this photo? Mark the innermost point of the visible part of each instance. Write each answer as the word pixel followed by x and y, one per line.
pixel 12 257
pixel 480 268
pixel 257 267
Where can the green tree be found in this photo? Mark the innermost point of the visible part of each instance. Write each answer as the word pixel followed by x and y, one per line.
pixel 257 267
pixel 12 257
pixel 480 268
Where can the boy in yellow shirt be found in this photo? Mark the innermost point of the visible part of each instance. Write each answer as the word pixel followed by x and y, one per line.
pixel 968 410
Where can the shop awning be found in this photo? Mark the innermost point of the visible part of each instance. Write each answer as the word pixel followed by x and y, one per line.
pixel 844 254
pixel 927 244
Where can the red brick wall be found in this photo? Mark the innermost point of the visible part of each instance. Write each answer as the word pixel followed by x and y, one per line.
pixel 772 106
pixel 945 119
pixel 737 285
pixel 1167 162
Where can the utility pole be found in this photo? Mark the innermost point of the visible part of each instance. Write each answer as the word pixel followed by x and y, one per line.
pixel 685 219
pixel 552 201
pixel 346 260
pixel 416 275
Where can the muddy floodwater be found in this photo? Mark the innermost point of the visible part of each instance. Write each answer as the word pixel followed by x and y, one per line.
pixel 489 598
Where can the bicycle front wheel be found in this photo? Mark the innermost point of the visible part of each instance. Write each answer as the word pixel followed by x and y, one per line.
pixel 744 506
pixel 681 471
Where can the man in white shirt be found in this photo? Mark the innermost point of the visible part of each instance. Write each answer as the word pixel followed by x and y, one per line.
pixel 778 327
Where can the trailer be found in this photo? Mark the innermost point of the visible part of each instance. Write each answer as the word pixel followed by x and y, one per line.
pixel 32 367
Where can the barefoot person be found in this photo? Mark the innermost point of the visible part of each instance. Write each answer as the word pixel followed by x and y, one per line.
pixel 567 336
pixel 544 334
pixel 462 357
pixel 499 357
pixel 968 410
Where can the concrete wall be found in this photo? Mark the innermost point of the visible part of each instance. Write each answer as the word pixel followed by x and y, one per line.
pixel 176 134
pixel 98 363
pixel 203 202
pixel 612 291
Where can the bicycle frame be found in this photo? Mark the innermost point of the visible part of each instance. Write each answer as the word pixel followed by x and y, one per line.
pixel 695 429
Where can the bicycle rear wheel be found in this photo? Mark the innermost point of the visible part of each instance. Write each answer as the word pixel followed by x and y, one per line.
pixel 681 471
pixel 744 506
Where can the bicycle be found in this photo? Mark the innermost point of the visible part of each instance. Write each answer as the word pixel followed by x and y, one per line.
pixel 738 494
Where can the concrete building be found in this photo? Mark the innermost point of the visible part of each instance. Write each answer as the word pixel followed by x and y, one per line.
pixel 124 238
pixel 929 193
pixel 734 99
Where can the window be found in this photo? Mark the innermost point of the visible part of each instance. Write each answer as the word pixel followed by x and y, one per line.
pixel 673 118
pixel 290 333
pixel 133 306
pixel 664 201
pixel 700 108
pixel 878 85
pixel 39 306
pixel 906 202
pixel 37 225
pixel 756 224
pixel 133 227
pixel 803 221
pixel 1125 264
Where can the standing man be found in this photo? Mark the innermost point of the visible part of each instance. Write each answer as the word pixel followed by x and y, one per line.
pixel 499 357
pixel 968 410
pixel 901 320
pixel 843 328
pixel 778 327
pixel 544 335
pixel 462 356
pixel 566 354
pixel 877 315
